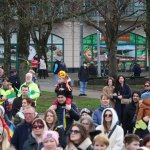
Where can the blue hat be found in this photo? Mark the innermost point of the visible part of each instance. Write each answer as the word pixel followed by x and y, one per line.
pixel 145 95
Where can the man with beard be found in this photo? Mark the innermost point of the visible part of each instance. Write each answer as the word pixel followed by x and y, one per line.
pixel 130 114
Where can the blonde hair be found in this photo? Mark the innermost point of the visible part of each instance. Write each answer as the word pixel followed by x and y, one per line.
pixel 4 136
pixel 54 116
pixel 102 139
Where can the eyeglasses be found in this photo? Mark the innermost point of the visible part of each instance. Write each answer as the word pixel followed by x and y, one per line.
pixel 146 85
pixel 37 126
pixel 74 131
pixel 108 115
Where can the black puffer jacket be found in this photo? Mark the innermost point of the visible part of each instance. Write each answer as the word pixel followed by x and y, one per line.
pixel 71 115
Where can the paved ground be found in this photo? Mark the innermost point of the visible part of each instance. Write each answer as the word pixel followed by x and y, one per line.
pixel 48 85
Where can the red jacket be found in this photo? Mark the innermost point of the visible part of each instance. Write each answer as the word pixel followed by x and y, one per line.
pixel 34 63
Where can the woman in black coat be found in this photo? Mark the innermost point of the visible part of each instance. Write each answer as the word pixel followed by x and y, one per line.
pixel 122 90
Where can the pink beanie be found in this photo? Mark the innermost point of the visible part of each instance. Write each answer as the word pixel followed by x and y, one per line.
pixel 50 134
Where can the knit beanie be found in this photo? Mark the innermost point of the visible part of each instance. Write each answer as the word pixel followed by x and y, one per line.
pixel 50 134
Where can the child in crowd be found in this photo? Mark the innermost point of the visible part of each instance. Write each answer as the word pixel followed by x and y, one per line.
pixel 146 142
pixel 100 142
pixel 85 112
pixel 105 103
pixel 64 84
pixel 131 142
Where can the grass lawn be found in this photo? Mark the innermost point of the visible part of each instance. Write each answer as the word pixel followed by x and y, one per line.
pixel 47 98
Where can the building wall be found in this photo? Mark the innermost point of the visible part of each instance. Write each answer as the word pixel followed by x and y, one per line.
pixel 70 31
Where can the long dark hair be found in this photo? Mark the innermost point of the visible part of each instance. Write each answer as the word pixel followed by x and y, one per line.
pixel 136 92
pixel 117 83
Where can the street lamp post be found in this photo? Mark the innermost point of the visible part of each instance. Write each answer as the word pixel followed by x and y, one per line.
pixel 98 46
pixel 81 40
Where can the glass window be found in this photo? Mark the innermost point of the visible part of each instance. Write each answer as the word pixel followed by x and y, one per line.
pixel 131 47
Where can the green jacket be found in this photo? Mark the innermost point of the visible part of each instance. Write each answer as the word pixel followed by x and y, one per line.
pixel 3 93
pixel 34 91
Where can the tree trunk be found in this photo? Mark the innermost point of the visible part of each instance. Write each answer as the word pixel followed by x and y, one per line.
pixel 112 59
pixel 148 32
pixel 23 50
pixel 41 43
pixel 7 52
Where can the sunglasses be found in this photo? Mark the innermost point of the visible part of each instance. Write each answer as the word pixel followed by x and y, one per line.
pixel 146 85
pixel 108 115
pixel 37 126
pixel 74 131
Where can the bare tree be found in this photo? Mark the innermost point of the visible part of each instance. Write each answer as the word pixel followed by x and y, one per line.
pixel 43 14
pixel 147 29
pixel 114 13
pixel 6 28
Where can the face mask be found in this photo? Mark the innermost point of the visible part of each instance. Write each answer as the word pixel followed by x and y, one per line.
pixel 84 65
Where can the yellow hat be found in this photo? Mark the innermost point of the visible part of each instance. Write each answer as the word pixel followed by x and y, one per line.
pixel 62 74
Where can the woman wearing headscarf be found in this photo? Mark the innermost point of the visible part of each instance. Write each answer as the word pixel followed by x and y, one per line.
pixel 35 138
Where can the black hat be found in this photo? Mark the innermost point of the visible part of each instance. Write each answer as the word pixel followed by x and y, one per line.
pixel 61 93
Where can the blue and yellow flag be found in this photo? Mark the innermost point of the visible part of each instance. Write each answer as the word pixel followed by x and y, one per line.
pixel 11 130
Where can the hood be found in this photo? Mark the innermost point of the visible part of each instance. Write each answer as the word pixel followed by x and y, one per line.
pixel 85 144
pixel 114 116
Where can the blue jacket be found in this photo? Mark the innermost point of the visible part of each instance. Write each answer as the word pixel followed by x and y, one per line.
pixel 21 135
pixel 97 115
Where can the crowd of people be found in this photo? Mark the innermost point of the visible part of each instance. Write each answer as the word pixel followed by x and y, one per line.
pixel 121 122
